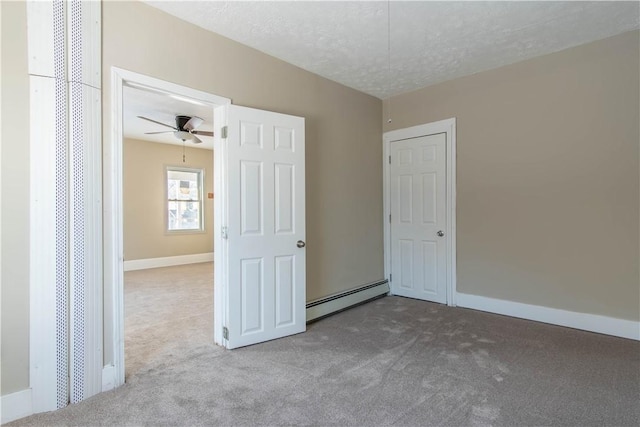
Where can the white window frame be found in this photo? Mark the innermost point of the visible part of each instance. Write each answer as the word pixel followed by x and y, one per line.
pixel 201 179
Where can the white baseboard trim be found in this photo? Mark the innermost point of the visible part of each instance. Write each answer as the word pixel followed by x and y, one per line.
pixel 142 264
pixel 337 302
pixel 108 378
pixel 15 406
pixel 587 322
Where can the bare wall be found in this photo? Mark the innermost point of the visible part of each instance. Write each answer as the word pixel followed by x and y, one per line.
pixel 344 201
pixel 144 200
pixel 15 199
pixel 343 130
pixel 548 176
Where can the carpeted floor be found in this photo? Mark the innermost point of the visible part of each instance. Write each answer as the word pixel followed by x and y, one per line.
pixel 166 309
pixel 393 361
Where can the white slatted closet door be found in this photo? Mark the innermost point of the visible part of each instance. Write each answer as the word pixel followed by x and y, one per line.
pixel 66 236
pixel 86 208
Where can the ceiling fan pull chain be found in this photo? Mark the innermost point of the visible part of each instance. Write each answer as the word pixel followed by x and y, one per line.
pixel 184 158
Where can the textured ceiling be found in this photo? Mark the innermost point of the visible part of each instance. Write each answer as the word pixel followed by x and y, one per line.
pixel 430 41
pixel 163 108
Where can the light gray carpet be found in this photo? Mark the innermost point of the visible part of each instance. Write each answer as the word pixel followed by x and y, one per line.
pixel 393 361
pixel 166 309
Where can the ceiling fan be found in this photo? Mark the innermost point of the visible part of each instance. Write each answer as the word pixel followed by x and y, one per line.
pixel 185 128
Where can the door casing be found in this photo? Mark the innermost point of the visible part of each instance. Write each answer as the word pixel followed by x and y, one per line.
pixel 113 371
pixel 448 127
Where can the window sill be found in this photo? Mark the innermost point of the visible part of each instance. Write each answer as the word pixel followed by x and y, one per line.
pixel 183 232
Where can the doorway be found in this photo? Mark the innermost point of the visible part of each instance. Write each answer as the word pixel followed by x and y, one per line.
pixel 259 223
pixel 419 200
pixel 167 198
pixel 114 337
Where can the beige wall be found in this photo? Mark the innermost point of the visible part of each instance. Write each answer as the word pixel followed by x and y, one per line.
pixel 144 200
pixel 15 199
pixel 343 130
pixel 344 227
pixel 548 182
pixel 548 177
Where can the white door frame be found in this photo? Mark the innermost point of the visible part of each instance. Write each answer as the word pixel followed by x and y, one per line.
pixel 447 127
pixel 113 373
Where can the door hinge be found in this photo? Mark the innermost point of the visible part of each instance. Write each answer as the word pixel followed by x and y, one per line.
pixel 225 235
pixel 389 159
pixel 225 333
pixel 390 277
pixel 223 132
pixel 389 218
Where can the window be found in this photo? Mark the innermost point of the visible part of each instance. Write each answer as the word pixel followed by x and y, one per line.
pixel 184 199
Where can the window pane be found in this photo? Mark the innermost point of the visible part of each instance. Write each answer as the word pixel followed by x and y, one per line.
pixel 182 185
pixel 184 215
pixel 184 204
pixel 172 189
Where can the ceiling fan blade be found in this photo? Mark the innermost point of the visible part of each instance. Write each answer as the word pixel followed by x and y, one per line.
pixel 195 139
pixel 193 123
pixel 155 133
pixel 156 122
pixel 202 132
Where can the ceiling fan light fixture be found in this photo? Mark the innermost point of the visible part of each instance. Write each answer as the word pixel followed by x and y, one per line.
pixel 183 135
pixel 185 128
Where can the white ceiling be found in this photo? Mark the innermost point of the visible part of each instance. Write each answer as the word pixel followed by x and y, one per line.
pixel 163 108
pixel 430 41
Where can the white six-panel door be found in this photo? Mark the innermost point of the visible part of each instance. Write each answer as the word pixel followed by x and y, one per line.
pixel 265 226
pixel 418 217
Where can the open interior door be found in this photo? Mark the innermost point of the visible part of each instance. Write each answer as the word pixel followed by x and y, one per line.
pixel 264 186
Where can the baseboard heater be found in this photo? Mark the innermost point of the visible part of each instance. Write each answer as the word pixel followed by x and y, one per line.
pixel 335 303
